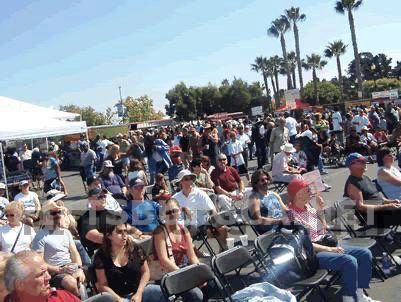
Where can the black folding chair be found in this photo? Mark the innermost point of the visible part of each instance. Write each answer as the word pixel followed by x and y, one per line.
pixel 279 186
pixel 176 283
pixel 148 192
pixel 146 245
pixel 234 260
pixel 307 285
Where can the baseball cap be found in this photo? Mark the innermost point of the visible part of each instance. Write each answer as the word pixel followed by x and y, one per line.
pixel 354 157
pixel 136 182
pixel 23 183
pixel 2 186
pixel 107 164
pixel 295 186
pixel 50 205
pixel 94 192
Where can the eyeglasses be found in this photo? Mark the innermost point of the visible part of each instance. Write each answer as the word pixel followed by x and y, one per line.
pixel 187 178
pixel 54 213
pixel 9 215
pixel 172 212
pixel 120 232
pixel 101 196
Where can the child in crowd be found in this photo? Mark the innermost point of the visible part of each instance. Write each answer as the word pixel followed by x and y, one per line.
pixel 160 191
pixel 136 170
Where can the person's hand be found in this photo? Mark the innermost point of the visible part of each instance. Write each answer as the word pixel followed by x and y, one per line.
pixel 80 276
pixel 337 249
pixel 393 206
pixel 319 202
pixel 143 236
pixel 187 212
pixel 136 298
pixel 240 196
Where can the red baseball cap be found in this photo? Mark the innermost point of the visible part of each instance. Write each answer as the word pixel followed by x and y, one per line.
pixel 295 186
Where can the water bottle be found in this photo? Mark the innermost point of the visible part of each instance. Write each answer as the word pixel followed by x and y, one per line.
pixel 386 264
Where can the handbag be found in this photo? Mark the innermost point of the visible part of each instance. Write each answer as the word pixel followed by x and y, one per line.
pixel 290 257
pixel 157 271
pixel 16 239
pixel 329 239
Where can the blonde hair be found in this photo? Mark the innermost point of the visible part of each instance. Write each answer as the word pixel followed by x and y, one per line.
pixel 114 149
pixel 17 206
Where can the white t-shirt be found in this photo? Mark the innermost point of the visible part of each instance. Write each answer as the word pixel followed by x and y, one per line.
pixel 337 119
pixel 280 164
pixel 25 155
pixel 244 139
pixel 233 148
pixel 3 202
pixel 198 202
pixel 307 133
pixel 8 235
pixel 291 125
pixel 55 246
pixel 29 200
pixel 359 122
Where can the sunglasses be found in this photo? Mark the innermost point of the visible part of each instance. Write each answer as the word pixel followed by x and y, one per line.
pixel 102 196
pixel 172 212
pixel 9 215
pixel 54 213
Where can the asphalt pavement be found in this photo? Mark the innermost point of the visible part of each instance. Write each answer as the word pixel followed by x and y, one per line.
pixel 384 291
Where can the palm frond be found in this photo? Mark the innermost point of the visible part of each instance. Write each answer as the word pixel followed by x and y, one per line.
pixel 340 7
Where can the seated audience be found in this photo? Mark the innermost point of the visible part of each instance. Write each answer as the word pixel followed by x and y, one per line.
pixel 31 203
pixel 197 207
pixel 122 268
pixel 3 260
pixel 266 209
pixel 141 213
pixel 136 170
pixel 207 165
pixel 280 169
pixel 3 202
pixel 15 236
pixel 388 176
pixel 361 189
pixel 299 156
pixel 203 180
pixel 111 203
pixel 353 263
pixel 354 143
pixel 160 191
pixel 173 247
pixel 227 184
pixel 112 182
pixel 59 251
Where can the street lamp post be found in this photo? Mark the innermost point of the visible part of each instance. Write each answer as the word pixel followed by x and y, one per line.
pixel 120 105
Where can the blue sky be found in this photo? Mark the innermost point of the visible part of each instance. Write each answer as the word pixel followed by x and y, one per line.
pixel 79 51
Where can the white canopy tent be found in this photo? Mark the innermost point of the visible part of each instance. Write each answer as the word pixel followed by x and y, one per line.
pixel 28 126
pixel 11 106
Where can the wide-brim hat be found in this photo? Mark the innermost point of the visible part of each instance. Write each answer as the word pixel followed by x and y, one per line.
pixel 50 205
pixel 184 173
pixel 55 195
pixel 288 148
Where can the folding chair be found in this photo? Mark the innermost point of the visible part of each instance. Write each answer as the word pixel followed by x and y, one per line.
pixel 233 260
pixel 176 283
pixel 146 245
pixel 308 285
pixel 244 212
pixel 279 186
pixel 148 192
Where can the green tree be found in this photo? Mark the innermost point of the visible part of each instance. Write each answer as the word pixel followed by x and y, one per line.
pixel 182 103
pixel 397 70
pixel 260 66
pixel 328 92
pixel 349 6
pixel 314 62
pixel 337 49
pixel 237 97
pixel 278 29
pixel 88 114
pixel 274 64
pixel 292 64
pixel 140 109
pixel 294 16
pixel 381 85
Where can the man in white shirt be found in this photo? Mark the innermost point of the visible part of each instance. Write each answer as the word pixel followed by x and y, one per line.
pixel 245 141
pixel 25 153
pixel 291 124
pixel 30 201
pixel 337 121
pixel 3 202
pixel 280 170
pixel 197 206
pixel 360 121
pixel 235 150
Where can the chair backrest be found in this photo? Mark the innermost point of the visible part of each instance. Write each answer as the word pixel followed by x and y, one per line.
pixel 378 187
pixel 231 260
pixel 148 192
pixel 184 279
pixel 146 245
pixel 222 218
pixel 346 211
pixel 263 242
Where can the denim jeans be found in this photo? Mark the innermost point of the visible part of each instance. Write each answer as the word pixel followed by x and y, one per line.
pixel 86 260
pixel 151 293
pixel 320 165
pixel 355 266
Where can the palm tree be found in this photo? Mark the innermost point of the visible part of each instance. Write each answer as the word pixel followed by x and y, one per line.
pixel 294 17
pixel 261 66
pixel 351 5
pixel 314 62
pixel 337 49
pixel 292 63
pixel 273 66
pixel 278 29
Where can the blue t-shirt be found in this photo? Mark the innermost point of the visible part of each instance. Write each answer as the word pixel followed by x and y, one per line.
pixel 270 207
pixel 144 215
pixel 50 171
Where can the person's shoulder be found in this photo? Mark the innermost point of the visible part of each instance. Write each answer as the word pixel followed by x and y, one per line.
pixel 62 295
pixel 5 228
pixel 34 194
pixel 178 195
pixel 199 192
pixel 18 196
pixel 255 195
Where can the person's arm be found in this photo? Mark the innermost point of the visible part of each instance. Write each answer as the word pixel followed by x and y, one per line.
pixel 385 176
pixel 145 276
pixel 58 171
pixel 210 183
pixel 323 248
pixel 272 137
pixel 161 251
pixel 192 258
pixel 254 209
pixel 145 179
pixel 76 258
pixel 356 195
pixel 94 236
pixel 103 287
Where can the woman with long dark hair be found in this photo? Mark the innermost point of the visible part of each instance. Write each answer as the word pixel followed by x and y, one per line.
pixel 122 269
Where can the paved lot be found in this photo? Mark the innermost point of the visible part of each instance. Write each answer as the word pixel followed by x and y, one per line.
pixel 385 291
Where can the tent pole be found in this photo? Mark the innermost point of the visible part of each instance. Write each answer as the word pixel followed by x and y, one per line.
pixel 4 168
pixel 47 145
pixel 31 143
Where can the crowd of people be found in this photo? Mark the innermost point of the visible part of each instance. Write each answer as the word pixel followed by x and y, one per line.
pixel 164 185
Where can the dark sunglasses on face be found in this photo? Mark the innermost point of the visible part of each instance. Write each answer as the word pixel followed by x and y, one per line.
pixel 101 196
pixel 172 212
pixel 54 213
pixel 9 215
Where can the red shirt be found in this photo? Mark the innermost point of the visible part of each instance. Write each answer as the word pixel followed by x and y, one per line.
pixel 58 295
pixel 309 219
pixel 228 180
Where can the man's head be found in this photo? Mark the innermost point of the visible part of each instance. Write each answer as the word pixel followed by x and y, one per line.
pixel 221 161
pixel 24 186
pixel 137 188
pixel 240 129
pixel 97 199
pixel 24 147
pixel 51 214
pixel 299 192
pixel 186 179
pixel 84 146
pixel 26 274
pixel 356 164
pixel 260 181
pixel 233 136
pixel 281 122
pixel 107 167
pixel 93 182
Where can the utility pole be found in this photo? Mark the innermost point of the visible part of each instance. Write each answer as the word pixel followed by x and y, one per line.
pixel 121 98
pixel 120 105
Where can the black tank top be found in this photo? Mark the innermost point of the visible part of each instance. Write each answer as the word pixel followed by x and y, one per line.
pixel 365 185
